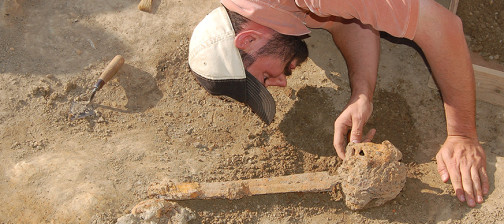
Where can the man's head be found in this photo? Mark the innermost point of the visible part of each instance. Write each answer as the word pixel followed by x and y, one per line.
pixel 271 63
pixel 231 55
pixel 279 48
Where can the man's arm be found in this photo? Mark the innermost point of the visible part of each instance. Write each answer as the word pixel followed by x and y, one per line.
pixel 360 46
pixel 461 158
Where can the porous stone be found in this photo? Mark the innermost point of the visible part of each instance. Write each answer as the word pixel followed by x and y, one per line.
pixel 371 174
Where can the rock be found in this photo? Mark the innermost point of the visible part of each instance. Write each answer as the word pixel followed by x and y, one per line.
pixel 12 8
pixel 371 174
pixel 157 211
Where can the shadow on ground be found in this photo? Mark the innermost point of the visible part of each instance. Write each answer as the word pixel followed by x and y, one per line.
pixel 141 89
pixel 309 125
pixel 54 40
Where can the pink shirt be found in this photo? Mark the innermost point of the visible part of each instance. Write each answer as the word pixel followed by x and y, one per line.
pixel 396 17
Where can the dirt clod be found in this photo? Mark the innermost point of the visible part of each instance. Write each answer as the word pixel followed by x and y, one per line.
pixel 371 174
pixel 157 211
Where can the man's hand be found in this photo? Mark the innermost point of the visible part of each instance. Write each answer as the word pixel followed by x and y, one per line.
pixel 360 46
pixel 463 161
pixel 354 117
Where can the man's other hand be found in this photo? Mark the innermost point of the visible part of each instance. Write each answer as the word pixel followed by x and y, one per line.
pixel 463 161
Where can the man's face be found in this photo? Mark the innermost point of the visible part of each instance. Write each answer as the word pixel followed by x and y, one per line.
pixel 271 70
pixel 269 56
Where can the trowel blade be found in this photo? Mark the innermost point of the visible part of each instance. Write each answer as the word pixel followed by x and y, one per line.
pixel 80 110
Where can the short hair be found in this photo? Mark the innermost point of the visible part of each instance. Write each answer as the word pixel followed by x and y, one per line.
pixel 287 46
pixel 237 21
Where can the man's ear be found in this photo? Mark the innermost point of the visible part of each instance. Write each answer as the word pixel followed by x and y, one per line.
pixel 245 39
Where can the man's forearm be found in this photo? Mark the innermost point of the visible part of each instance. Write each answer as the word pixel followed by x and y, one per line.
pixel 448 56
pixel 360 46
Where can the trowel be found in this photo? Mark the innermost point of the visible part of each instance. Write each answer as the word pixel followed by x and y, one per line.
pixel 83 109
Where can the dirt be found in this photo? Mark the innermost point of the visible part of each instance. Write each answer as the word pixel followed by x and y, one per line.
pixel 484 26
pixel 154 122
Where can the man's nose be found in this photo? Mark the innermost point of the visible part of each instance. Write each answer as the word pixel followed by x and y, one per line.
pixel 277 81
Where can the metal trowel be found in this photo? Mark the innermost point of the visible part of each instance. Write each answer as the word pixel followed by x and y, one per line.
pixel 83 109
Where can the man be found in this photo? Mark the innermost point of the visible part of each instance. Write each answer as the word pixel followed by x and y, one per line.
pixel 228 63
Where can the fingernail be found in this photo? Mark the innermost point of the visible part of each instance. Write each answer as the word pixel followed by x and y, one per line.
pixel 480 199
pixel 444 177
pixel 461 198
pixel 355 141
pixel 470 202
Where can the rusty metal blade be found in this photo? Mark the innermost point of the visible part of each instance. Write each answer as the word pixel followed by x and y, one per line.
pixel 306 182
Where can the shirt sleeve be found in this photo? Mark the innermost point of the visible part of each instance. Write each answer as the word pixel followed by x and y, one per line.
pixel 396 17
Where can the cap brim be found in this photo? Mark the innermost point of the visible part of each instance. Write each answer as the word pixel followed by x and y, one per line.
pixel 259 99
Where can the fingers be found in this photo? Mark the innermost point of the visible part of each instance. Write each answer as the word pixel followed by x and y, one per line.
pixel 481 184
pixel 467 184
pixel 357 129
pixel 451 172
pixel 475 178
pixel 475 184
pixel 469 181
pixel 456 181
pixel 484 180
pixel 441 167
pixel 339 141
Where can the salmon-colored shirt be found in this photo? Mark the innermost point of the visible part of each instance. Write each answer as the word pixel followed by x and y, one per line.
pixel 292 17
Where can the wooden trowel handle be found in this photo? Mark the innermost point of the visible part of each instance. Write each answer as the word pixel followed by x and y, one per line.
pixel 108 73
pixel 112 68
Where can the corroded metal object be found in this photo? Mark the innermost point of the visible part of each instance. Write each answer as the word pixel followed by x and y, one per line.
pixel 370 175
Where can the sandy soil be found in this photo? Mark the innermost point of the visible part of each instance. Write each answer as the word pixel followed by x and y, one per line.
pixel 155 122
pixel 485 27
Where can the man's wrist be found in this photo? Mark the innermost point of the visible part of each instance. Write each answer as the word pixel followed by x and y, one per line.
pixel 361 96
pixel 359 91
pixel 461 120
pixel 462 131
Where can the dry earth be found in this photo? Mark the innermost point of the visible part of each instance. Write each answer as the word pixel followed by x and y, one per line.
pixel 154 121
